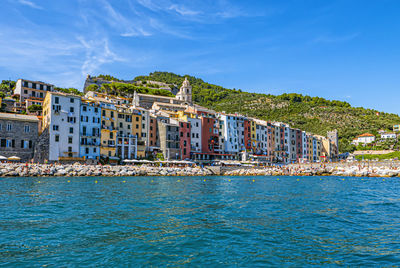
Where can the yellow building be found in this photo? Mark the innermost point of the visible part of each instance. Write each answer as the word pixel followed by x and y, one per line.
pixel 253 133
pixel 109 131
pixel 137 132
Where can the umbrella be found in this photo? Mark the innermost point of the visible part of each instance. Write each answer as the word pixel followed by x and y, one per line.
pixel 3 157
pixel 16 158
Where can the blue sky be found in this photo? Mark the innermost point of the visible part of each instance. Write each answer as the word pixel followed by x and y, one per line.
pixel 347 50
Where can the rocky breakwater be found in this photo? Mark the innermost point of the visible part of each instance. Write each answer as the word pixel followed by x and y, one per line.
pixel 351 171
pixel 78 170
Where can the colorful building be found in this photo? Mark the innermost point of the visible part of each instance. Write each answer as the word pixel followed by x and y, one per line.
pixel 61 119
pixel 109 131
pixel 90 129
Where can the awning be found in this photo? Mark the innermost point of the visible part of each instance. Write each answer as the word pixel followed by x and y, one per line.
pixel 14 158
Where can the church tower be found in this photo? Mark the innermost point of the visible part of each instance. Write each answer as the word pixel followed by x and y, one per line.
pixel 185 92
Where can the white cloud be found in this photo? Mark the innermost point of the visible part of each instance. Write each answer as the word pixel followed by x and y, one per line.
pixel 29 3
pixel 97 54
pixel 183 10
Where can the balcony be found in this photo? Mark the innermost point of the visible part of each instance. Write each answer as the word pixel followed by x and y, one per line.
pixel 89 135
pixel 109 128
pixel 90 143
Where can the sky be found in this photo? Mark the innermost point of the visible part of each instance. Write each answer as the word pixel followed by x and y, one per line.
pixel 345 50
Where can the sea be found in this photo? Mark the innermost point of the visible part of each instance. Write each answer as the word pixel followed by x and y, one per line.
pixel 199 221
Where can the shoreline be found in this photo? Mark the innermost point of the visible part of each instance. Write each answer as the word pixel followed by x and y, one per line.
pixel 79 170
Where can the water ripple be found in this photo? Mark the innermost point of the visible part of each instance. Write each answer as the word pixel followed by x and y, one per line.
pixel 224 221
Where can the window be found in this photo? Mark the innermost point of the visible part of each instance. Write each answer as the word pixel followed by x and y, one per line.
pixel 71 109
pixel 3 142
pixel 111 135
pixel 34 86
pixel 55 127
pixel 71 100
pixel 96 110
pixel 137 119
pixel 84 108
pixel 137 126
pixel 70 149
pixel 56 100
pixel 71 119
pixel 112 114
pixel 71 130
pixel 26 129
pixel 87 150
pixel 9 127
pixel 57 138
pixel 25 91
pixel 94 150
pixel 104 113
pixel 69 140
pixel 121 125
pixel 30 144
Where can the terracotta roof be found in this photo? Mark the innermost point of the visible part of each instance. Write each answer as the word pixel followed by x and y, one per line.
pixel 366 135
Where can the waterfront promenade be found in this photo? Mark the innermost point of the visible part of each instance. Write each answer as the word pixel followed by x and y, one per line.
pixel 355 169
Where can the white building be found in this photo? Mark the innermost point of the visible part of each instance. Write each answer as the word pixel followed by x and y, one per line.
pixel 195 132
pixel 363 139
pixel 230 132
pixel 388 136
pixel 61 114
pixel 33 91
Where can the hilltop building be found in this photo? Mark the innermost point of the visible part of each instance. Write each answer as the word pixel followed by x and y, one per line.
pixel 363 139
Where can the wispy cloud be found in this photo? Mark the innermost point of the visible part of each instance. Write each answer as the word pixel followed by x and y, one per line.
pixel 126 26
pixel 30 4
pixel 97 54
pixel 183 10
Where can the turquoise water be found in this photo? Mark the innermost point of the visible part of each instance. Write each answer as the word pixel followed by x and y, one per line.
pixel 186 221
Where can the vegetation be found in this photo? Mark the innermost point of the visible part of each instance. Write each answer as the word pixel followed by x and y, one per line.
pixel 6 88
pixel 313 114
pixel 394 155
pixel 122 89
pixel 34 108
pixel 70 90
pixel 108 78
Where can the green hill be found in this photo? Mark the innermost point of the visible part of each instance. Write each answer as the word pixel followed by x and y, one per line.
pixel 313 114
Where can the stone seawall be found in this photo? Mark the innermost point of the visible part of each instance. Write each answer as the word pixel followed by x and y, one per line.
pixel 40 170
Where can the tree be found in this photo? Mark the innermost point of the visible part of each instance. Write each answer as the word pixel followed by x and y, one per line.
pixel 34 108
pixel 92 87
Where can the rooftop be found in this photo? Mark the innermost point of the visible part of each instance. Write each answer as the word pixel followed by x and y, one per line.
pixel 20 117
pixel 366 135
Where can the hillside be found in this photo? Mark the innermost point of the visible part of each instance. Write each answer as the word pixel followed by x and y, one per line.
pixel 313 114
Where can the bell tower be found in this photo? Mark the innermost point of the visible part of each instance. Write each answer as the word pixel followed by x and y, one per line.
pixel 185 92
